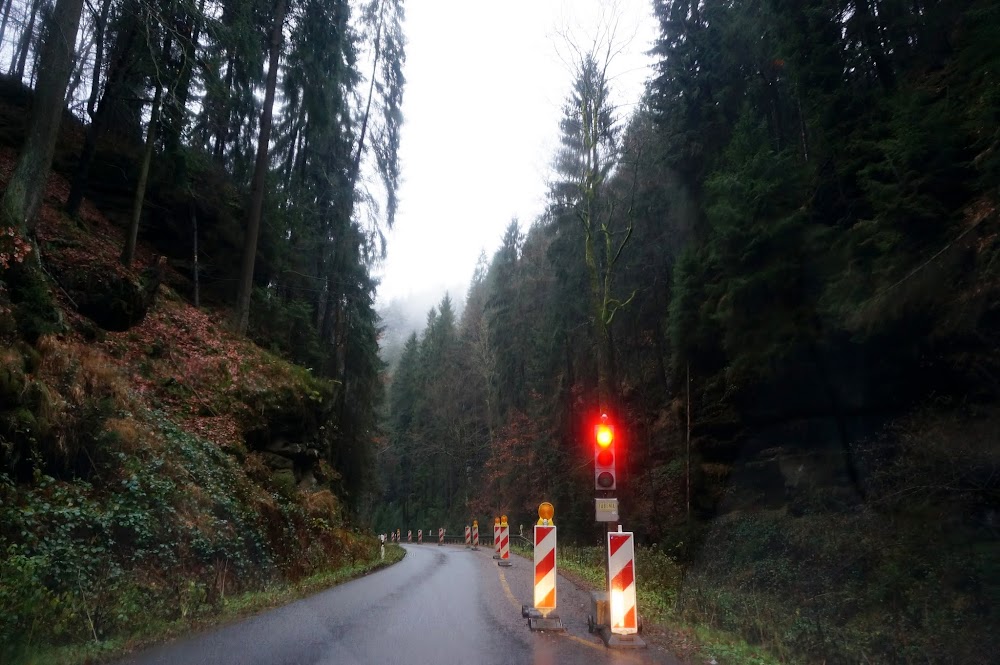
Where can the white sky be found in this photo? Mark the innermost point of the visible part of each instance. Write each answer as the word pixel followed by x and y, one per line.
pixel 485 86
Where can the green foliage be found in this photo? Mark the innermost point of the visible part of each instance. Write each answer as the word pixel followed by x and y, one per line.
pixel 34 310
pixel 285 327
pixel 659 583
pixel 52 418
pixel 851 587
pixel 180 528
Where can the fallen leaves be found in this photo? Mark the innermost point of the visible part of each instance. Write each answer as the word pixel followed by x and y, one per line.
pixel 179 359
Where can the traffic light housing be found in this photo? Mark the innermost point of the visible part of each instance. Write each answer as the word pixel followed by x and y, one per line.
pixel 605 477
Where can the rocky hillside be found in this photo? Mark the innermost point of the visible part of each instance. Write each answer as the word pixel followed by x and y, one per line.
pixel 151 465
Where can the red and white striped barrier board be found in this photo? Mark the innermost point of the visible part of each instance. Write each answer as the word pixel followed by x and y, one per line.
pixel 621 583
pixel 468 536
pixel 504 545
pixel 409 535
pixel 496 539
pixel 440 536
pixel 475 535
pixel 545 569
pixel 420 536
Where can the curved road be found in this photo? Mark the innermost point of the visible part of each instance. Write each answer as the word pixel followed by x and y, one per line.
pixel 438 605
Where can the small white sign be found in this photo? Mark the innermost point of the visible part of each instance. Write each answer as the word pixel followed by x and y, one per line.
pixel 606 509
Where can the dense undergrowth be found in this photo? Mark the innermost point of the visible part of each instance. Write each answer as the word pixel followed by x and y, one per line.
pixel 660 578
pixel 909 576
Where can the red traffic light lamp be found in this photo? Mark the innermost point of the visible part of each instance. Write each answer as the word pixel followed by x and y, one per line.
pixel 604 455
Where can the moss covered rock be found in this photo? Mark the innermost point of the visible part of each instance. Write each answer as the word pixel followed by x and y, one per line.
pixel 111 300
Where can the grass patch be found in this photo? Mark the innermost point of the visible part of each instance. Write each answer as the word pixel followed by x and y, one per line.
pixel 231 609
pixel 658 580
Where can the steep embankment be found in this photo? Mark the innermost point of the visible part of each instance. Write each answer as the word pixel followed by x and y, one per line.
pixel 151 465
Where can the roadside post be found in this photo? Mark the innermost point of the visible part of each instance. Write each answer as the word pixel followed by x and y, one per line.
pixel 468 537
pixel 496 537
pixel 475 535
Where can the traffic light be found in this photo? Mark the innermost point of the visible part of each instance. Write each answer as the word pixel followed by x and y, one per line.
pixel 604 455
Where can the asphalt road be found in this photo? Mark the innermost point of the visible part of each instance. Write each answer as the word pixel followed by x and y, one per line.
pixel 439 605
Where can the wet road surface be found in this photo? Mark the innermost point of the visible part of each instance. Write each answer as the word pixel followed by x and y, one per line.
pixel 439 605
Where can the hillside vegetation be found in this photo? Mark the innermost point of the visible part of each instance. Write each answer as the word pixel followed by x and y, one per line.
pixel 152 472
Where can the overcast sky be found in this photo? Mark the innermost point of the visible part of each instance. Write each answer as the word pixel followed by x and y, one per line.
pixel 485 82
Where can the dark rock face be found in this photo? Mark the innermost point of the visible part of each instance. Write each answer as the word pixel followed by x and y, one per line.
pixel 113 300
pixel 292 432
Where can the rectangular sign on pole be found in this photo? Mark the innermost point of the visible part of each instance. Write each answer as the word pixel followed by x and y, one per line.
pixel 606 510
pixel 621 583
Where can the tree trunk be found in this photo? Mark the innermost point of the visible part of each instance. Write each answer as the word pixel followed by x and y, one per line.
pixel 27 184
pixel 174 116
pixel 241 317
pixel 119 68
pixel 77 73
pixel 128 253
pixel 223 115
pixel 194 228
pixel 6 16
pixel 356 167
pixel 95 82
pixel 687 442
pixel 25 45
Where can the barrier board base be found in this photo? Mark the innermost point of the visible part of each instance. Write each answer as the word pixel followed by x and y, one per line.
pixel 551 623
pixel 616 641
pixel 538 621
pixel 598 622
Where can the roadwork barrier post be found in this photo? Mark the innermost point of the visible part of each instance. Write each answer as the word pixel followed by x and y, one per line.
pixel 542 616
pixel 623 620
pixel 409 535
pixel 504 543
pixel 440 536
pixel 420 536
pixel 468 537
pixel 496 537
pixel 475 535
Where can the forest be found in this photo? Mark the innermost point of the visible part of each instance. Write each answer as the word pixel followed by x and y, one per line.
pixel 777 275
pixel 779 278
